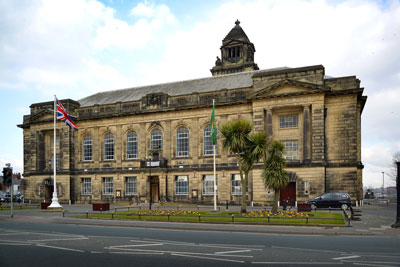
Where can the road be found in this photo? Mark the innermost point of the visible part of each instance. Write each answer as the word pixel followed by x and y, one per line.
pixel 24 243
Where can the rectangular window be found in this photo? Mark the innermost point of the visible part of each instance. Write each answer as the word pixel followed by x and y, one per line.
pixel 208 184
pixel 86 186
pixel 108 186
pixel 131 186
pixel 291 149
pixel 182 185
pixel 291 121
pixel 237 185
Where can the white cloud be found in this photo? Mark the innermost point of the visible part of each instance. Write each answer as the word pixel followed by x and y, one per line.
pixel 77 48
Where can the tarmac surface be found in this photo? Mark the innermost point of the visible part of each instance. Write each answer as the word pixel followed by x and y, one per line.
pixel 377 218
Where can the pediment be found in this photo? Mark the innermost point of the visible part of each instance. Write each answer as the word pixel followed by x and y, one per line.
pixel 289 87
pixel 42 116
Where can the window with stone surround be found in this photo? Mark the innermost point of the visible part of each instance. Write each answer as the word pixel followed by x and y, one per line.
pixel 131 145
pixel 291 151
pixel 208 146
pixel 131 186
pixel 182 142
pixel 181 185
pixel 208 184
pixel 289 121
pixel 87 148
pixel 108 186
pixel 86 186
pixel 109 147
pixel 156 142
pixel 236 185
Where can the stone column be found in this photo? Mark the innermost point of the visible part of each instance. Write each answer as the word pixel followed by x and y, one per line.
pixel 306 134
pixel 258 119
pixel 269 124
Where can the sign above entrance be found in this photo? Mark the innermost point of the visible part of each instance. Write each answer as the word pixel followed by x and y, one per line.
pixel 153 163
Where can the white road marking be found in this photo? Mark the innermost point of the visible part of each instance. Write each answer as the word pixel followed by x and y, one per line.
pixel 97 252
pixel 57 239
pixel 297 263
pixel 208 258
pixel 307 249
pixel 233 251
pixel 175 252
pixel 137 253
pixel 69 249
pixel 14 244
pixel 376 265
pixel 139 245
pixel 346 257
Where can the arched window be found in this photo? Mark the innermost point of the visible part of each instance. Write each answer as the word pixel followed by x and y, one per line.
pixel 208 146
pixel 156 140
pixel 131 145
pixel 182 142
pixel 109 147
pixel 87 148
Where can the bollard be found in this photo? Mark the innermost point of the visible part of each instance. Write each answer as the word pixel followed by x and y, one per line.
pixel 233 218
pixel 199 217
pixel 140 217
pixel 63 213
pixel 226 202
pixel 112 215
pixel 307 220
pixel 168 217
pixel 87 215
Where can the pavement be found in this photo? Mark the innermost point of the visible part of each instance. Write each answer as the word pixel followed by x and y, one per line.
pixel 377 218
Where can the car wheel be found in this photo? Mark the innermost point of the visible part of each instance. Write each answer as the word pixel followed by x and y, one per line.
pixel 344 206
pixel 313 207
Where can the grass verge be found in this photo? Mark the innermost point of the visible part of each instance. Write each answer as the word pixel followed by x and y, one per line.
pixel 311 218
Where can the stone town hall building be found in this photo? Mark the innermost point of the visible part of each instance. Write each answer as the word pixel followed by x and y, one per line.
pixel 154 141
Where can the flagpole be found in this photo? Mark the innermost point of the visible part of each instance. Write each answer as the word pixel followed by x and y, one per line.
pixel 215 179
pixel 54 201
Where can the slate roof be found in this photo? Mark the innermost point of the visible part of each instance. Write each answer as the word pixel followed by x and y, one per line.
pixel 215 83
pixel 236 33
pixel 230 81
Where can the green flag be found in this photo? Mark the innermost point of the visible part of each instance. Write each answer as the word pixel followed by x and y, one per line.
pixel 213 127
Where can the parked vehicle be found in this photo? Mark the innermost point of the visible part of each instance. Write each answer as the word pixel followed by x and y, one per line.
pixel 5 197
pixel 19 198
pixel 331 200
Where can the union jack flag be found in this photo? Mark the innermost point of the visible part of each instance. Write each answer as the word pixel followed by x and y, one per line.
pixel 63 115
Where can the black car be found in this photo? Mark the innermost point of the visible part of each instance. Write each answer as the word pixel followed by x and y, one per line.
pixel 331 200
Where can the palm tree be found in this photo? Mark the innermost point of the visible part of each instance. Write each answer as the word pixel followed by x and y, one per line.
pixel 273 173
pixel 256 149
pixel 235 140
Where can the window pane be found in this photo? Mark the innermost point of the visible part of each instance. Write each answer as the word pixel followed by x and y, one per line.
pixel 208 184
pixel 109 147
pixel 87 148
pixel 237 185
pixel 291 149
pixel 131 145
pixel 86 186
pixel 131 186
pixel 156 139
pixel 182 142
pixel 181 185
pixel 208 146
pixel 288 121
pixel 108 186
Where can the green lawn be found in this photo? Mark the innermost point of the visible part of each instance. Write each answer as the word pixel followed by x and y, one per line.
pixel 18 207
pixel 224 217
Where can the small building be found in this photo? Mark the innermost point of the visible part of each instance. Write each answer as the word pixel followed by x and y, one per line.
pixel 154 141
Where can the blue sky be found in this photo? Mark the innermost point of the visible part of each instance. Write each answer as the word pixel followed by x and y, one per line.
pixel 76 48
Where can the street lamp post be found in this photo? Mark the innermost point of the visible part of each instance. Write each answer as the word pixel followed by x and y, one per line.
pixel 149 163
pixel 383 185
pixel 397 223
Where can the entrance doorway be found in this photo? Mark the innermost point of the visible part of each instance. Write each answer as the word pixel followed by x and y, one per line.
pixel 48 187
pixel 288 194
pixel 155 188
